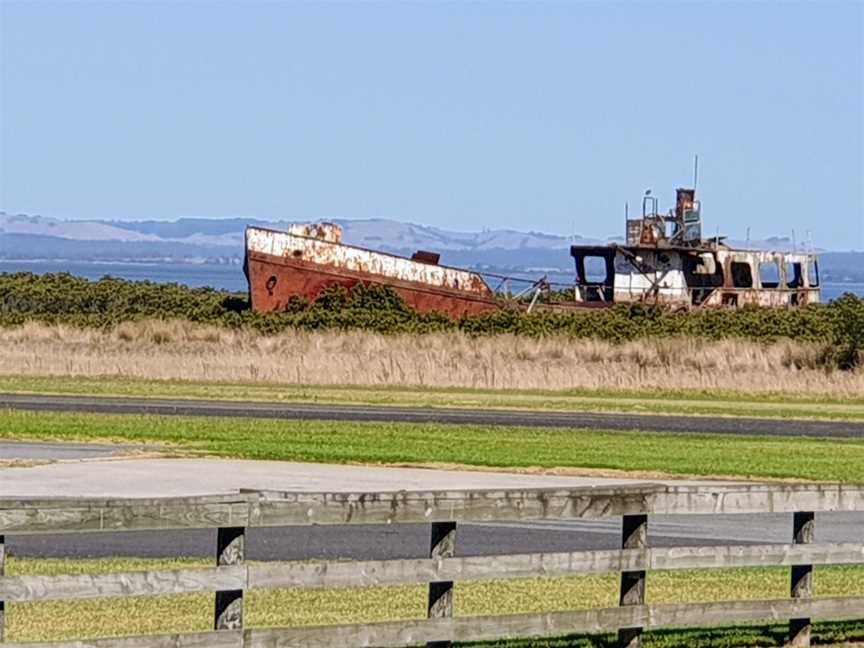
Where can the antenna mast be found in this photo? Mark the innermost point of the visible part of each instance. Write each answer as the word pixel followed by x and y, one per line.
pixel 695 170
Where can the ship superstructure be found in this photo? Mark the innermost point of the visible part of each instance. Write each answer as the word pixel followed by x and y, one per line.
pixel 667 261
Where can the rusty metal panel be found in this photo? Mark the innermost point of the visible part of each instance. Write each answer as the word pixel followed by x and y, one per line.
pixel 325 231
pixel 773 297
pixel 379 264
pixel 282 265
pixel 426 257
pixel 634 231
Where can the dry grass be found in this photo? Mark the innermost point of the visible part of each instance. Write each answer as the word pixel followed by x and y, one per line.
pixel 302 607
pixel 181 350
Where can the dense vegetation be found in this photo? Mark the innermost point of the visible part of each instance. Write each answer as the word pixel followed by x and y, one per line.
pixel 63 298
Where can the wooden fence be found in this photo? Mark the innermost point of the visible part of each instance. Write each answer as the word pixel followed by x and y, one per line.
pixel 230 577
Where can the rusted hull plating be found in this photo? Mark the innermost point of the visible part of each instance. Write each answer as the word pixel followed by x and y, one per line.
pixel 282 265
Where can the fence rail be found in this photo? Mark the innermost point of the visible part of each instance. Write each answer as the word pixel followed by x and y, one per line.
pixel 231 576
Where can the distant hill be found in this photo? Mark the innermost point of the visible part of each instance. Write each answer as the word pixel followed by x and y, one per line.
pixel 71 230
pixel 203 240
pixel 376 233
pixel 37 246
pixel 28 237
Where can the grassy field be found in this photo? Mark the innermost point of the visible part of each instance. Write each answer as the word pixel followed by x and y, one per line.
pixel 665 402
pixel 187 613
pixel 512 448
pixel 184 351
pixel 452 370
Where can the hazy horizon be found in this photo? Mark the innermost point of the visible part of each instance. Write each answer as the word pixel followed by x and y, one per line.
pixel 801 241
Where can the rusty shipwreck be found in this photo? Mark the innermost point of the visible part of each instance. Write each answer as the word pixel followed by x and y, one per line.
pixel 665 261
pixel 307 258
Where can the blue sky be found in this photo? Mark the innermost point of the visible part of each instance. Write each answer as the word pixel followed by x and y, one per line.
pixel 541 116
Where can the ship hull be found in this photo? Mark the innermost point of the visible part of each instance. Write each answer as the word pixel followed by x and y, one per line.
pixel 274 280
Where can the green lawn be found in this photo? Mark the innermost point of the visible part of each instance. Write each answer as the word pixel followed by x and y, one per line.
pixel 297 607
pixel 475 445
pixel 643 402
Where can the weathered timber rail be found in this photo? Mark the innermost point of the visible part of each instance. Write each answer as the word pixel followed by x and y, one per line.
pixel 231 576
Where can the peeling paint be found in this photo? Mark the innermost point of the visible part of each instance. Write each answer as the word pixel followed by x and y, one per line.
pixel 307 258
pixel 343 257
pixel 665 262
pixel 696 277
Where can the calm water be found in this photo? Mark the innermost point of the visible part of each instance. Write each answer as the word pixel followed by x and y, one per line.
pixel 226 277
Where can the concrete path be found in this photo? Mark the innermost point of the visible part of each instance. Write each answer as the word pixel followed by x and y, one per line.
pixel 131 477
pixel 137 477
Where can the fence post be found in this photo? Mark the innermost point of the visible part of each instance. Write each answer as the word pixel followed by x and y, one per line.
pixel 634 535
pixel 803 525
pixel 443 545
pixel 230 550
pixel 2 573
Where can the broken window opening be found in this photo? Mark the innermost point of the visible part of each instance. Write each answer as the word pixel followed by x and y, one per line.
pixel 595 275
pixel 769 274
pixel 596 270
pixel 813 273
pixel 702 274
pixel 793 275
pixel 623 265
pixel 742 275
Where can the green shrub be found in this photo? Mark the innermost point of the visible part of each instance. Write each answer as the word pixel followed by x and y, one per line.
pixel 63 298
pixel 847 317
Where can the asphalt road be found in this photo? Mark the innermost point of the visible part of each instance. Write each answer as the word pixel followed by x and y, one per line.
pixel 306 411
pixel 378 542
